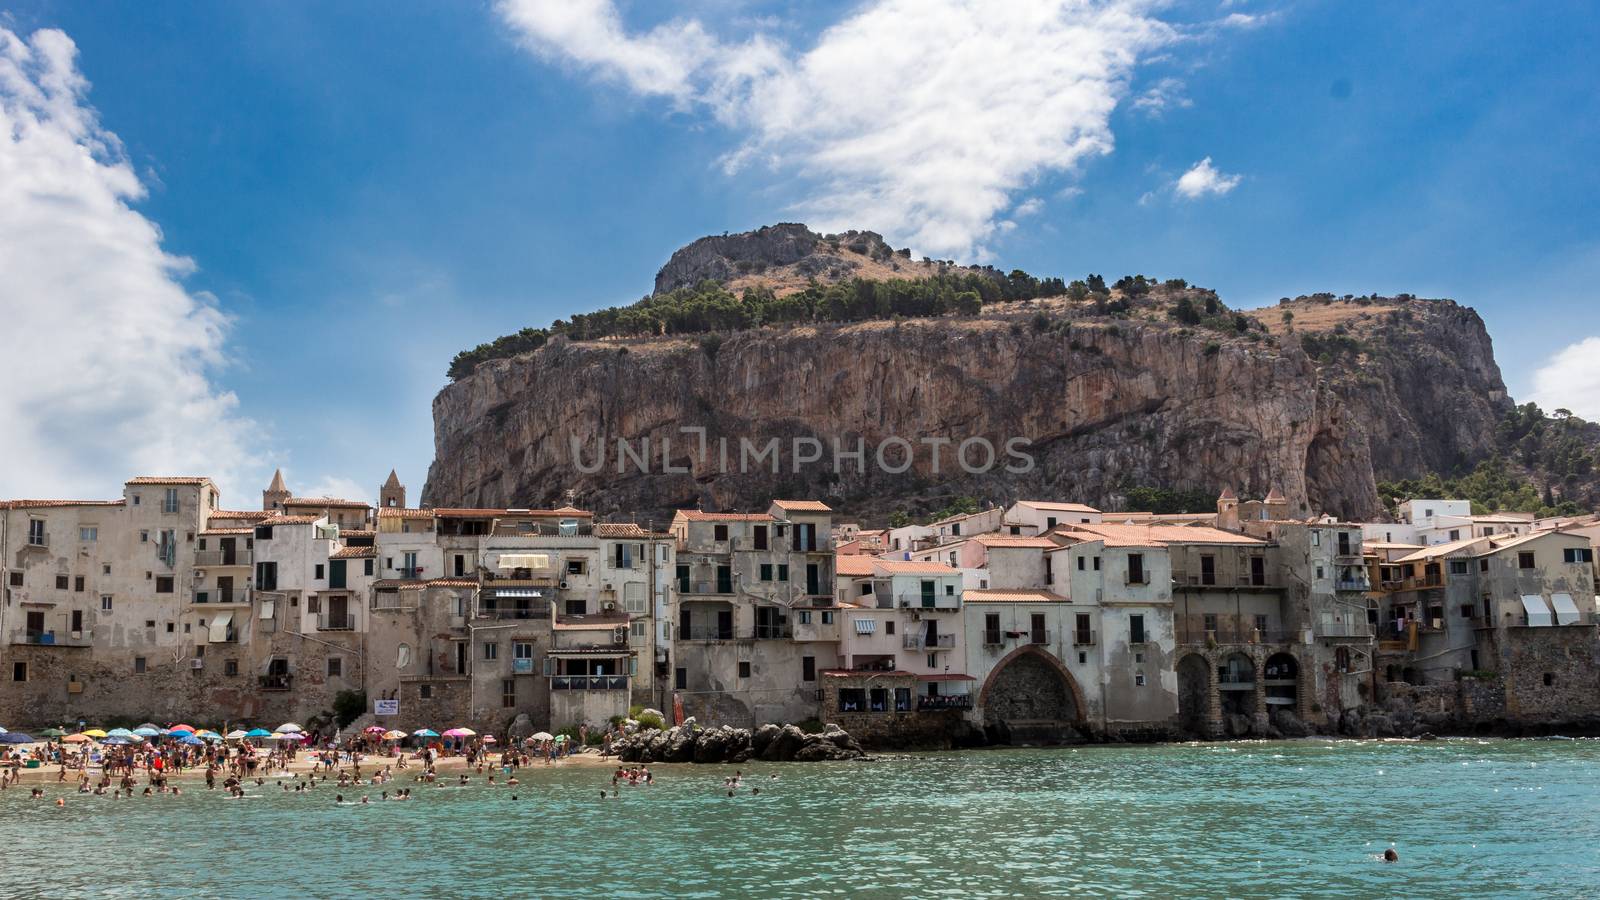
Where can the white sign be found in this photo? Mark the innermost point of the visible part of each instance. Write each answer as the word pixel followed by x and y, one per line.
pixel 386 707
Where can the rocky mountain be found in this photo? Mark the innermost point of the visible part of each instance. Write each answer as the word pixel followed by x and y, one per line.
pixel 786 257
pixel 1140 385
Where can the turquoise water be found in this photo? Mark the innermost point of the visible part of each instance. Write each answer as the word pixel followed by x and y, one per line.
pixel 1469 818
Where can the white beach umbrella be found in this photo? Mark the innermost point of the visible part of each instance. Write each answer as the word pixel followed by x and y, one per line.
pixel 289 727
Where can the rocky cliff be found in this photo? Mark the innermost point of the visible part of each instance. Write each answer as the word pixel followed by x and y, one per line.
pixel 1320 403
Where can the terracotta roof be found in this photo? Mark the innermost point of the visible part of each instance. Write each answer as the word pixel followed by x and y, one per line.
pixel 1071 531
pixel 226 531
pixel 389 584
pixel 1063 507
pixel 695 515
pixel 393 481
pixel 325 501
pixel 621 529
pixel 1274 496
pixel 603 621
pixel 354 553
pixel 175 479
pixel 250 514
pixel 854 565
pixel 1445 549
pixel 1002 595
pixel 909 567
pixel 802 505
pixel 1387 545
pixel 51 504
pixel 290 520
pixel 1227 494
pixel 1145 535
pixel 451 582
pixel 468 513
pixel 395 512
pixel 1014 540
pixel 569 511
pixel 356 532
pixel 947 676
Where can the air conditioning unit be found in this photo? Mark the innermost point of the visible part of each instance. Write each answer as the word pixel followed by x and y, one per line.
pixel 607 587
pixel 197 663
pixel 563 584
pixel 619 636
pixel 610 606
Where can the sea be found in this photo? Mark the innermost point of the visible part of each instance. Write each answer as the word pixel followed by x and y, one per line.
pixel 1468 818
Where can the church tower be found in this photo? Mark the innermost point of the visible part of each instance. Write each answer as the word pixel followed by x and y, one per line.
pixel 276 494
pixel 393 494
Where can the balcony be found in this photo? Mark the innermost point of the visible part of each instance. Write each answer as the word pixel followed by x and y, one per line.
pixel 37 542
pixel 329 622
pixel 1344 630
pixel 920 642
pixel 516 612
pixel 221 597
pixel 705 633
pixel 588 682
pixel 772 632
pixel 280 682
pixel 935 603
pixel 1039 636
pixel 206 559
pixel 1228 631
pixel 1081 638
pixel 408 573
pixel 935 703
pixel 708 588
pixel 47 638
pixel 1352 584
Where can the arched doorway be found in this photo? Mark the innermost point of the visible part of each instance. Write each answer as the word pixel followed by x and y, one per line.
pixel 1030 697
pixel 1194 693
pixel 1280 679
pixel 1236 681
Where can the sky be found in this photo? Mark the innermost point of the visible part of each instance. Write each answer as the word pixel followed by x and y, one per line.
pixel 241 236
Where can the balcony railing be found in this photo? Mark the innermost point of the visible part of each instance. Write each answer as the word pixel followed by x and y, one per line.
pixel 220 596
pixel 772 632
pixel 921 642
pixel 1344 629
pixel 541 612
pixel 937 602
pixel 1352 584
pixel 1233 633
pixel 1082 638
pixel 927 703
pixel 1039 636
pixel 217 558
pixel 48 638
pixel 588 682
pixel 276 682
pixel 705 634
pixel 329 622
pixel 37 542
pixel 409 573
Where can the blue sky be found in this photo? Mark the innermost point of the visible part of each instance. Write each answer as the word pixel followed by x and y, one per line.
pixel 363 192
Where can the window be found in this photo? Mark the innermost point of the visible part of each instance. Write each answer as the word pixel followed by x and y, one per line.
pixel 1261 625
pixel 1320 572
pixel 1455 534
pixel 105 603
pixel 866 626
pixel 508 692
pixel 1138 679
pixel 1083 563
pixel 1097 563
pixel 319 572
pixel 1549 679
pixel 744 668
pixel 425 692
pixel 138 665
pixel 719 532
pixel 135 499
pixel 335 667
pixel 144 536
pixel 170 627
pixel 230 667
pixel 88 533
pixel 149 623
pixel 1459 567
pixel 680 679
pixel 266 576
pixel 804 616
pixel 36 534
pixel 991 628
pixel 1468 610
pixel 933 660
pixel 19 671
pixel 169 502
pixel 766 571
pixel 827 618
pixel 1136 568
pixel 808 668
pixel 783 572
pixel 1578 555
pixel 164 584
pixel 1524 560
pixel 1483 564
pixel 61 582
pixel 314 604
pixel 1049 522
pixel 577 566
pixel 491 651
pixel 1136 633
pixel 637 629
pixel 16 579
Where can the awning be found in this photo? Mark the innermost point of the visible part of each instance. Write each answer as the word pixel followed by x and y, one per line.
pixel 1538 613
pixel 866 626
pixel 266 608
pixel 516 592
pixel 1566 611
pixel 523 561
pixel 946 677
pixel 219 627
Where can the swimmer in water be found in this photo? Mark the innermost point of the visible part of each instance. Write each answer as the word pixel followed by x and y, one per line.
pixel 338 798
pixel 1390 856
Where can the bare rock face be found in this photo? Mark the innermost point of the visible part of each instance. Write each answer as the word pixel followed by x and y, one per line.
pixel 719 258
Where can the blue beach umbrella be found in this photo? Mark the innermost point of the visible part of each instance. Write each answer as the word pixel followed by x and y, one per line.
pixel 209 735
pixel 119 733
pixel 258 732
pixel 425 733
pixel 147 731
pixel 117 740
pixel 15 737
pixel 190 739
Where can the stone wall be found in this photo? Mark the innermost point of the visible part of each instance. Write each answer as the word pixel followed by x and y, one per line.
pixel 1551 675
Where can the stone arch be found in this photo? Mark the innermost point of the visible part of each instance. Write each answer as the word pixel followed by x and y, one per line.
pixel 1281 680
pixel 1013 664
pixel 1236 682
pixel 1195 672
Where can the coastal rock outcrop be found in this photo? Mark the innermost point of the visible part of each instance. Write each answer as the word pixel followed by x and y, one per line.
pixel 725 744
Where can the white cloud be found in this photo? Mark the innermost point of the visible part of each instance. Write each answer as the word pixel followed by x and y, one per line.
pixel 918 118
pixel 338 487
pixel 1029 207
pixel 1203 178
pixel 108 357
pixel 1159 97
pixel 1571 380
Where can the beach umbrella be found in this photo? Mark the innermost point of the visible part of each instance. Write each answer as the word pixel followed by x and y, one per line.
pixel 424 733
pixel 52 732
pixel 258 732
pixel 189 728
pixel 289 727
pixel 459 731
pixel 394 735
pixel 147 731
pixel 209 735
pixel 2 731
pixel 76 739
pixel 119 741
pixel 541 736
pixel 119 733
pixel 237 734
pixel 290 736
pixel 374 729
pixel 488 739
pixel 190 739
pixel 16 737
pixel 97 733
pixel 150 725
